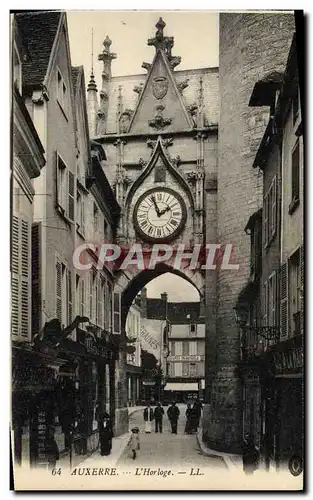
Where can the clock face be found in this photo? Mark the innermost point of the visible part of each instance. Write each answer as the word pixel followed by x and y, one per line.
pixel 159 214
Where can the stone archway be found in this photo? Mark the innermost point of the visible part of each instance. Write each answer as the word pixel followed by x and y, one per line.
pixel 137 280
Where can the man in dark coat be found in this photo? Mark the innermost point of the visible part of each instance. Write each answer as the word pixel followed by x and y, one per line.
pixel 105 433
pixel 196 410
pixel 173 415
pixel 158 417
pixel 250 455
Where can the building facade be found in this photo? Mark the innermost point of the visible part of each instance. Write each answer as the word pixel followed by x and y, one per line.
pixel 272 341
pixel 64 366
pixel 133 327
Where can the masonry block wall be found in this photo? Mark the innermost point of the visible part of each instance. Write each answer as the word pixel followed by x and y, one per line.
pixel 251 45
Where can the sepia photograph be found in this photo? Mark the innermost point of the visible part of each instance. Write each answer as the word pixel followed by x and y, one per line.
pixel 157 250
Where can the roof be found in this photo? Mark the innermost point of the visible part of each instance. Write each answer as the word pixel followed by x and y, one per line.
pixel 176 311
pixel 38 30
pixel 264 90
pixel 253 218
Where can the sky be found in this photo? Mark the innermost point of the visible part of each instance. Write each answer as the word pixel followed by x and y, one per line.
pixel 196 41
pixel 195 35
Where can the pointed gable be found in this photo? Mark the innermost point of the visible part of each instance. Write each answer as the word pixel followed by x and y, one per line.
pixel 160 107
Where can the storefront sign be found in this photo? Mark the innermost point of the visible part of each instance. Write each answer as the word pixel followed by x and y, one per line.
pixel 289 361
pixel 97 349
pixel 24 376
pixel 185 358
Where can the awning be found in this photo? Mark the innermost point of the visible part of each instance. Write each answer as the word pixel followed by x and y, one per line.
pixel 175 386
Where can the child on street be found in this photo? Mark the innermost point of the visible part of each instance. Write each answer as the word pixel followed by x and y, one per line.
pixel 134 441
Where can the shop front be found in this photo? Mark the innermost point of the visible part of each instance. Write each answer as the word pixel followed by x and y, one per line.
pixel 181 392
pixel 59 392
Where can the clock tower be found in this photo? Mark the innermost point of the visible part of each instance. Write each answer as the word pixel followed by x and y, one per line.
pixel 159 132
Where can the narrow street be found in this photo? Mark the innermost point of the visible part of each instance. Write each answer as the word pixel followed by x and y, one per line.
pixel 168 449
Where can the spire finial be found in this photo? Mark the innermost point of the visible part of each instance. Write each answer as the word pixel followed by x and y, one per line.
pixel 92 51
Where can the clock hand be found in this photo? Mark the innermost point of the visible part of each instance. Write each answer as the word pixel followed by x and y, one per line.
pixel 167 209
pixel 156 206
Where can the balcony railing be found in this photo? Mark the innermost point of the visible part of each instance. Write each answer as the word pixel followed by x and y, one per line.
pixel 255 340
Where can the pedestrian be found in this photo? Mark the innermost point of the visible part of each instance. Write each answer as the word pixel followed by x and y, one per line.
pixel 250 455
pixel 188 427
pixel 173 415
pixel 105 433
pixel 52 449
pixel 134 442
pixel 158 418
pixel 148 417
pixel 197 409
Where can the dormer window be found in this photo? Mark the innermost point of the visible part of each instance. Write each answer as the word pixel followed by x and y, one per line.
pixel 61 92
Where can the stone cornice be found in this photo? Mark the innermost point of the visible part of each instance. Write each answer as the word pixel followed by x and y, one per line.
pixel 22 177
pixel 212 129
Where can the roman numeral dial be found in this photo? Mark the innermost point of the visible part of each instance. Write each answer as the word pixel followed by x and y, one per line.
pixel 159 214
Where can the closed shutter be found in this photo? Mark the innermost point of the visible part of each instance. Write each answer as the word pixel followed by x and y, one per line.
pixel 265 304
pixel 71 193
pixel 15 298
pixel 58 270
pixel 274 206
pixel 58 183
pixel 302 289
pixel 116 313
pixel 36 278
pixel 25 279
pixel 265 221
pixel 90 301
pixel 82 221
pixel 21 284
pixel 82 297
pixel 94 296
pixel 284 301
pixel 69 297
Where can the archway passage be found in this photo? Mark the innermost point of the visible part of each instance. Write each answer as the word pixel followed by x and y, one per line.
pixel 142 279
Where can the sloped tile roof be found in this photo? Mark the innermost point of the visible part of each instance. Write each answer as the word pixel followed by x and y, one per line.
pixel 38 30
pixel 176 311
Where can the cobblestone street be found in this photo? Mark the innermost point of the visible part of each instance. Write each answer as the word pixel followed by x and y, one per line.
pixel 166 449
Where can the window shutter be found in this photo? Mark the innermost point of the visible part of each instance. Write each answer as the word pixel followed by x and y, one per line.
pixel 284 300
pixel 274 206
pixel 15 296
pixel 82 215
pixel 36 278
pixel 265 304
pixel 58 311
pixel 116 312
pixel 71 193
pixel 94 297
pixel 90 296
pixel 274 318
pixel 301 289
pixel 25 279
pixel 69 297
pixel 265 221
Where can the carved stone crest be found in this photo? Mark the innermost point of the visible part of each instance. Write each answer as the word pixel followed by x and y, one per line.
pixel 159 87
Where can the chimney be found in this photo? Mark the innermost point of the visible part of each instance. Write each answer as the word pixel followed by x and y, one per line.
pixel 107 58
pixel 92 105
